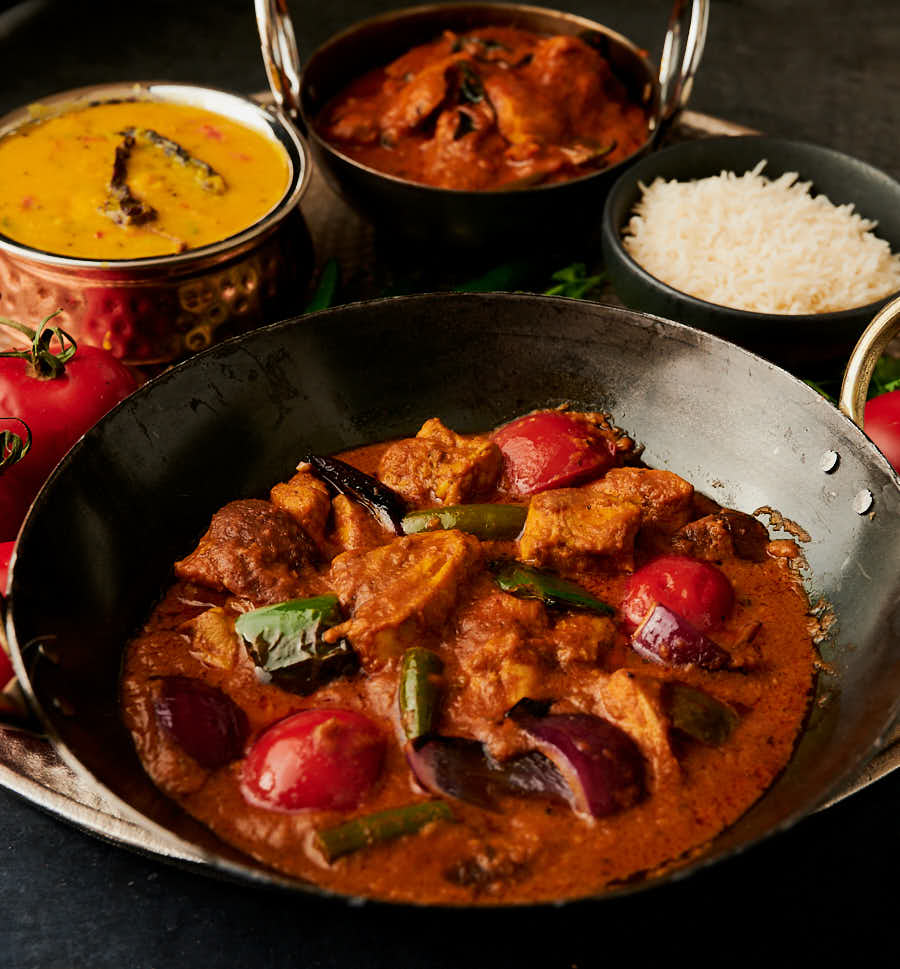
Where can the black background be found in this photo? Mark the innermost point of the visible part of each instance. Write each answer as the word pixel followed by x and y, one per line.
pixel 827 72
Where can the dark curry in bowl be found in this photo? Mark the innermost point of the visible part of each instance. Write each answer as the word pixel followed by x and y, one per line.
pixel 506 667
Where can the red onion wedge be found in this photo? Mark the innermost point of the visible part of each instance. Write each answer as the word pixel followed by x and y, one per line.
pixel 667 638
pixel 603 766
pixel 206 723
pixel 460 768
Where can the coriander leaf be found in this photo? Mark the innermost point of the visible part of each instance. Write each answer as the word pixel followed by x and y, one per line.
pixel 573 282
pixel 323 297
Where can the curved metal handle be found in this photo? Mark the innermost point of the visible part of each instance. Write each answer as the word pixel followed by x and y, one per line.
pixel 877 335
pixel 280 54
pixel 682 50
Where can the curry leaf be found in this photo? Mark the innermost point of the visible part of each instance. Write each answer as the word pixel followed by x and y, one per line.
pixel 470 86
pixel 286 641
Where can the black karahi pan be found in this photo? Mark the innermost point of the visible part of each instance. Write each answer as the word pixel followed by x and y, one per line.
pixel 139 489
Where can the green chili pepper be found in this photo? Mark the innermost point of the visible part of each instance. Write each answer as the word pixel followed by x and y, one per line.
pixel 383 826
pixel 483 521
pixel 419 688
pixel 556 593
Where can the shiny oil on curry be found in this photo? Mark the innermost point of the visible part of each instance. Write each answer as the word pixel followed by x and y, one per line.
pixel 564 749
pixel 494 108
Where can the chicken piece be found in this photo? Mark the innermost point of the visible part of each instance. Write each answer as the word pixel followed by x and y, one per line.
pixel 306 499
pixel 722 535
pixel 438 466
pixel 461 154
pixel 574 72
pixel 524 115
pixel 253 550
pixel 635 704
pixel 415 59
pixel 416 100
pixel 214 641
pixel 503 45
pixel 400 594
pixel 354 527
pixel 505 653
pixel 359 127
pixel 568 528
pixel 666 500
pixel 582 640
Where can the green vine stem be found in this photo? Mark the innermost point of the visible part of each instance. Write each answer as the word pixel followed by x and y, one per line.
pixel 13 447
pixel 44 363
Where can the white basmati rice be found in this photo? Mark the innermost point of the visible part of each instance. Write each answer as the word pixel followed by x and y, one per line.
pixel 756 244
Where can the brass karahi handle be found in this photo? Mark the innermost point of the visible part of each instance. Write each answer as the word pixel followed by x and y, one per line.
pixel 870 346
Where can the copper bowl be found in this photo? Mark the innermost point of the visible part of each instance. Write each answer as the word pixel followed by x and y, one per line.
pixel 158 308
pixel 511 218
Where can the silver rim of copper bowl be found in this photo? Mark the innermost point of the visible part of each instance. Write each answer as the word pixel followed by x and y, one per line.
pixel 271 122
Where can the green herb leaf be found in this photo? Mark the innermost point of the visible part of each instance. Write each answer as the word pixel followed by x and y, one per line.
pixel 885 377
pixel 327 286
pixel 573 282
pixel 819 389
pixel 470 86
pixel 286 641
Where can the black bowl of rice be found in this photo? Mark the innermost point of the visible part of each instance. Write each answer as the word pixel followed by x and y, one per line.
pixel 786 248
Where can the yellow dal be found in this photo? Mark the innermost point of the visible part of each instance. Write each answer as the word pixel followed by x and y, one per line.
pixel 54 177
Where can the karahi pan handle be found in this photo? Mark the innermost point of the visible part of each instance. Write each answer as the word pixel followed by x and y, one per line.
pixel 870 346
pixel 280 55
pixel 682 50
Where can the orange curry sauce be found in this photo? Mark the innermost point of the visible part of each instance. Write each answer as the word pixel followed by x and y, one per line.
pixel 495 108
pixel 496 649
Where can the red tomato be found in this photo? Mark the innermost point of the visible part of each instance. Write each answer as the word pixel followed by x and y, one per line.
pixel 314 759
pixel 5 555
pixel 696 591
pixel 6 669
pixel 58 410
pixel 551 449
pixel 882 424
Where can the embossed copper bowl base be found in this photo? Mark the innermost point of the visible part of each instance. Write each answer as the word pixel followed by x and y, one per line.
pixel 156 309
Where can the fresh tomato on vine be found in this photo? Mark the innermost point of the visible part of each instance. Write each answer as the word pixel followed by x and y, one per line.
pixel 882 424
pixel 6 549
pixel 59 394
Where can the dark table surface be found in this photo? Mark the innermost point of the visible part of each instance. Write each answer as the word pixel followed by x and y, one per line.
pixel 819 70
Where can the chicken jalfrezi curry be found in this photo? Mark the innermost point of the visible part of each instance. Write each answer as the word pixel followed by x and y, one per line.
pixel 495 108
pixel 474 669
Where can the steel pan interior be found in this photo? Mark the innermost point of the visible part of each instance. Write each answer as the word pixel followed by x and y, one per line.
pixel 139 489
